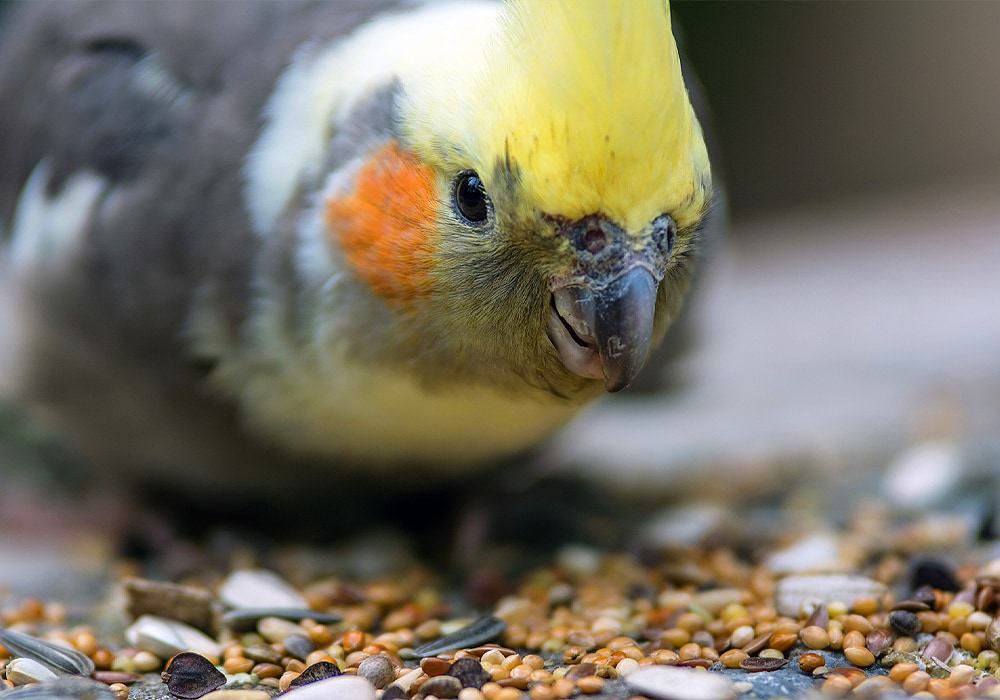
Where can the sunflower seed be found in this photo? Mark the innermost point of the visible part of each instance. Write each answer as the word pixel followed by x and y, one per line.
pixel 479 632
pixel 165 638
pixel 55 657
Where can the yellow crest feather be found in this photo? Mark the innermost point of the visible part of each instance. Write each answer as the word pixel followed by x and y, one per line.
pixel 587 98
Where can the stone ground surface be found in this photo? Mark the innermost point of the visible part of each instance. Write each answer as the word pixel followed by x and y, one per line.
pixel 840 346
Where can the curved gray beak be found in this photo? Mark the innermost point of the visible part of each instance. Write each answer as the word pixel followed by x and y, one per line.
pixel 605 333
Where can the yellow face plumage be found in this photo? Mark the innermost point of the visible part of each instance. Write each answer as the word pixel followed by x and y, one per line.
pixel 587 98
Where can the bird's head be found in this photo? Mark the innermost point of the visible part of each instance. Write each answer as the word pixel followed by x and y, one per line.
pixel 532 219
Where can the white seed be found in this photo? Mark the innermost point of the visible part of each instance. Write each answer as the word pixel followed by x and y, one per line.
pixel 259 588
pixel 166 638
pixel 21 671
pixel 673 683
pixel 340 687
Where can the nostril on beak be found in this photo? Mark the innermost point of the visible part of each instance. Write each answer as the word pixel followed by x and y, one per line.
pixel 594 239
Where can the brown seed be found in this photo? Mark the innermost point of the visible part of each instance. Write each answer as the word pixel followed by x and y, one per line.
pixel 267 670
pixel 854 639
pixel 878 641
pixel 938 648
pixel 865 605
pixel 857 622
pixel 756 664
pixel 733 658
pixel 962 674
pixel 815 637
pixel 237 664
pixel 916 682
pixel 911 605
pixel 120 690
pixel 810 662
pixel 852 673
pixel 757 644
pixel 581 670
pixel 189 675
pixel 993 634
pixel 783 641
pixel 900 672
pixel 836 686
pixel 859 656
pixel 434 666
pixel 590 684
pixel 112 677
pixel 819 618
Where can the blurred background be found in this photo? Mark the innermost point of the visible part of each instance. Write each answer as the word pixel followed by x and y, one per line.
pixel 817 100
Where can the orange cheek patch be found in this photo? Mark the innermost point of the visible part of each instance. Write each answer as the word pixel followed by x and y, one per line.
pixel 386 226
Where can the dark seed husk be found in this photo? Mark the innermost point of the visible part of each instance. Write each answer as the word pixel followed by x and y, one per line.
pixel 319 671
pixel 299 647
pixel 756 664
pixel 911 605
pixel 56 657
pixel 819 617
pixel 394 692
pixel 475 633
pixel 246 619
pixel 469 672
pixel 189 675
pixel 442 687
pixel 904 622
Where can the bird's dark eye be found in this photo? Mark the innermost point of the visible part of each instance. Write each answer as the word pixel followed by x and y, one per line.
pixel 471 200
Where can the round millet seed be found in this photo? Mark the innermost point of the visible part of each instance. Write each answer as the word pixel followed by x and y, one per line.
pixel 733 658
pixel 590 684
pixel 859 656
pixel 810 662
pixel 916 682
pixel 857 623
pixel 900 672
pixel 815 637
pixel 837 686
pixel 962 674
pixel 854 639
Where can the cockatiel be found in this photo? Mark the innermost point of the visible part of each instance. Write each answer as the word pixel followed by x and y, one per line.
pixel 397 240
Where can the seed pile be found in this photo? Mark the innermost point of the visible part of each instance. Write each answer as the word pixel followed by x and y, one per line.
pixel 587 625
